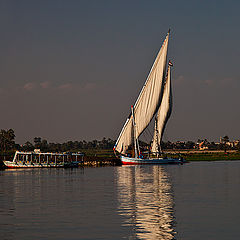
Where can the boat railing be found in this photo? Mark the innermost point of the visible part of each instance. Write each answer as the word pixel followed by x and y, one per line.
pixel 47 158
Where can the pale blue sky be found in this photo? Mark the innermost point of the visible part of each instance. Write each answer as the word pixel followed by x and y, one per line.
pixel 70 70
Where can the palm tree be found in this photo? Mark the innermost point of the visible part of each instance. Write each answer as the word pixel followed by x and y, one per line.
pixel 225 139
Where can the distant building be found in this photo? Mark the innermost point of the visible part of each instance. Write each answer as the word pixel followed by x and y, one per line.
pixel 230 144
pixel 236 142
pixel 225 140
pixel 203 145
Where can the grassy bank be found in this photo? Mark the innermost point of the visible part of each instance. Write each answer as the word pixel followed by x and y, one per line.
pixel 99 157
pixel 211 156
pixel 194 155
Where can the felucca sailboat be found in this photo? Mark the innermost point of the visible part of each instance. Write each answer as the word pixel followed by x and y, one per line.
pixel 155 99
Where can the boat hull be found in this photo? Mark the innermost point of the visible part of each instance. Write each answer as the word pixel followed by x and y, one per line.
pixel 139 161
pixel 11 164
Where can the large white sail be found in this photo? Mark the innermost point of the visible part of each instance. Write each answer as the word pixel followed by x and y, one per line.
pixel 163 113
pixel 148 101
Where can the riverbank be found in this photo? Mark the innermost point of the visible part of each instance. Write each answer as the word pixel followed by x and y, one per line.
pixel 107 157
pixel 188 155
pixel 94 157
pixel 209 155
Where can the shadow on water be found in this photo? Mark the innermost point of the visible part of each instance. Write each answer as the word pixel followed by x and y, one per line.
pixel 146 201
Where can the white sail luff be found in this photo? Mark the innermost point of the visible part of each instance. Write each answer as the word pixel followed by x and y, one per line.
pixel 123 137
pixel 163 113
pixel 148 101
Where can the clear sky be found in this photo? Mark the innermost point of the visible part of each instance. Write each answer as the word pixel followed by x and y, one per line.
pixel 70 70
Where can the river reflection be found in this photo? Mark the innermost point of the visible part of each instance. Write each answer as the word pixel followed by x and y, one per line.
pixel 146 201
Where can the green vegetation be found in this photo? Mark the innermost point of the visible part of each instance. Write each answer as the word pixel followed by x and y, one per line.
pixel 211 156
pixel 7 144
pixel 69 146
pixel 101 150
pixel 108 153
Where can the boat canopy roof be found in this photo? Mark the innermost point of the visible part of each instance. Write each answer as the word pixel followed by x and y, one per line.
pixel 48 153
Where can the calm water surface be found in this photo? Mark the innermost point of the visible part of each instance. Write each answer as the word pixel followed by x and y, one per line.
pixel 198 200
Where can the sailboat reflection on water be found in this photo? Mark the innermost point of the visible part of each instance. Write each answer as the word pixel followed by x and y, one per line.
pixel 146 201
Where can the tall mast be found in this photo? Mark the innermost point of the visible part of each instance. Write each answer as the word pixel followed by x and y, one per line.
pixel 159 148
pixel 134 134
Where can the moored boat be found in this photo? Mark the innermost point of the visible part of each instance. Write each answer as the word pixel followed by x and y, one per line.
pixel 37 159
pixel 164 160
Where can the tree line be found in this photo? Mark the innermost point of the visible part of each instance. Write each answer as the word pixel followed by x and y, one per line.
pixel 71 146
pixel 8 144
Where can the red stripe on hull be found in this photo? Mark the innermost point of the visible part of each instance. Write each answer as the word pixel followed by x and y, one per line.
pixel 20 167
pixel 136 163
pixel 131 163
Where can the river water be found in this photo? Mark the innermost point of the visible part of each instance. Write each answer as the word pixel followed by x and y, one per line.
pixel 198 200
